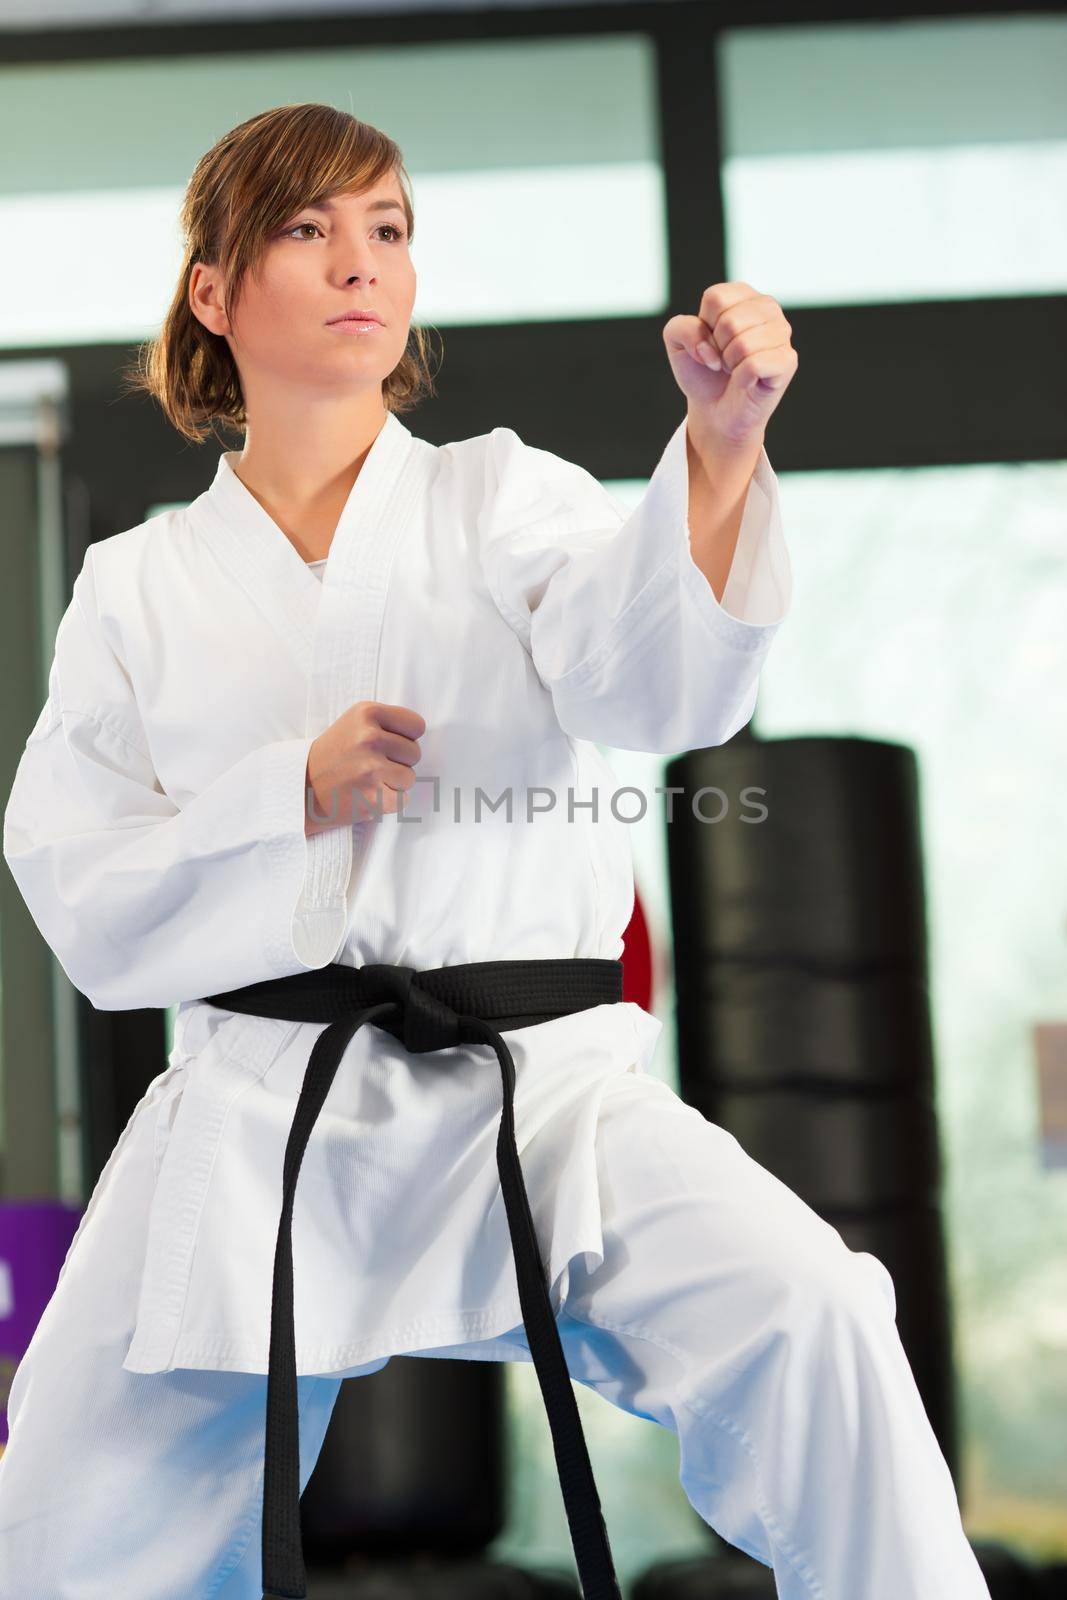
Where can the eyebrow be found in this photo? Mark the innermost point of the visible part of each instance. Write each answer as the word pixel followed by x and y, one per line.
pixel 375 205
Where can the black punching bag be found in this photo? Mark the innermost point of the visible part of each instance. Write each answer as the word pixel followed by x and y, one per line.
pixel 800 964
pixel 414 1463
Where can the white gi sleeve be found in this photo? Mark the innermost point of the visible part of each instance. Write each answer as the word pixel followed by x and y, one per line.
pixel 623 628
pixel 144 903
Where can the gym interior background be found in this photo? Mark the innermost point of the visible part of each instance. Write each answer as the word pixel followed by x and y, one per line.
pixel 897 184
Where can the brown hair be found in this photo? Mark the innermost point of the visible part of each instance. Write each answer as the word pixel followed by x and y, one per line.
pixel 247 184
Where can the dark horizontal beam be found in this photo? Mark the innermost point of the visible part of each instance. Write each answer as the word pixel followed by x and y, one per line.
pixel 915 384
pixel 202 36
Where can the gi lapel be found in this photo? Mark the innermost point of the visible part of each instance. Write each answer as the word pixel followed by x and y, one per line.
pixel 266 563
pixel 331 628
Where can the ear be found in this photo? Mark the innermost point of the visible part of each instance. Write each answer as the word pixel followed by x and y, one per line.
pixel 205 297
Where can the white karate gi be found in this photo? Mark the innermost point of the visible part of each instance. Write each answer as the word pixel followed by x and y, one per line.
pixel 156 831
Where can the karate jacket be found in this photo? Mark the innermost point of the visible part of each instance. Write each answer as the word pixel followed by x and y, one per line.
pixel 155 829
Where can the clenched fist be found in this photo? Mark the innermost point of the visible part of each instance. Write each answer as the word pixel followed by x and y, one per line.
pixel 361 765
pixel 733 362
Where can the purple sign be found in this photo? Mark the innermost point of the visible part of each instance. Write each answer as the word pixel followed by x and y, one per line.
pixel 35 1236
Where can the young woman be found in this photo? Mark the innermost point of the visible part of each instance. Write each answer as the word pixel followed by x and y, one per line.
pixel 318 764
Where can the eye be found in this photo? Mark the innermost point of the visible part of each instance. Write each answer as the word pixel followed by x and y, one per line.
pixel 391 226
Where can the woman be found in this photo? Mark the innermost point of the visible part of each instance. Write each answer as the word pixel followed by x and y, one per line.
pixel 336 721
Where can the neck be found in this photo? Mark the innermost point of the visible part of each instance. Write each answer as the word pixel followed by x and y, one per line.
pixel 302 470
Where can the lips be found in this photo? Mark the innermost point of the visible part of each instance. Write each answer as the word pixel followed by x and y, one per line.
pixel 356 327
pixel 356 316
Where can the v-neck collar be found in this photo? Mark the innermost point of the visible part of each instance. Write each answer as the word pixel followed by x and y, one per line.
pixel 235 500
pixel 266 562
pixel 329 624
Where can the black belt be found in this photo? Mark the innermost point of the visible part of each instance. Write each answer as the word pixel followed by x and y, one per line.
pixel 428 1010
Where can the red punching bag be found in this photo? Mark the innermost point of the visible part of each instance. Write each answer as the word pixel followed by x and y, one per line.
pixel 637 958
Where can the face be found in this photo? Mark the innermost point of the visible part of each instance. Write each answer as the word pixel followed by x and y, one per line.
pixel 348 252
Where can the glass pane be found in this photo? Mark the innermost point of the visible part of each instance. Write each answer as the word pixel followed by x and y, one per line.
pixel 546 203
pixel 906 161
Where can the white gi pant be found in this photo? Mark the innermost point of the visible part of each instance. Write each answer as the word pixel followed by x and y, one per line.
pixel 725 1309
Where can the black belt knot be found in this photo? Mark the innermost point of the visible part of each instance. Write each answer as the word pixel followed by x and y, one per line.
pixel 431 1009
pixel 424 1023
